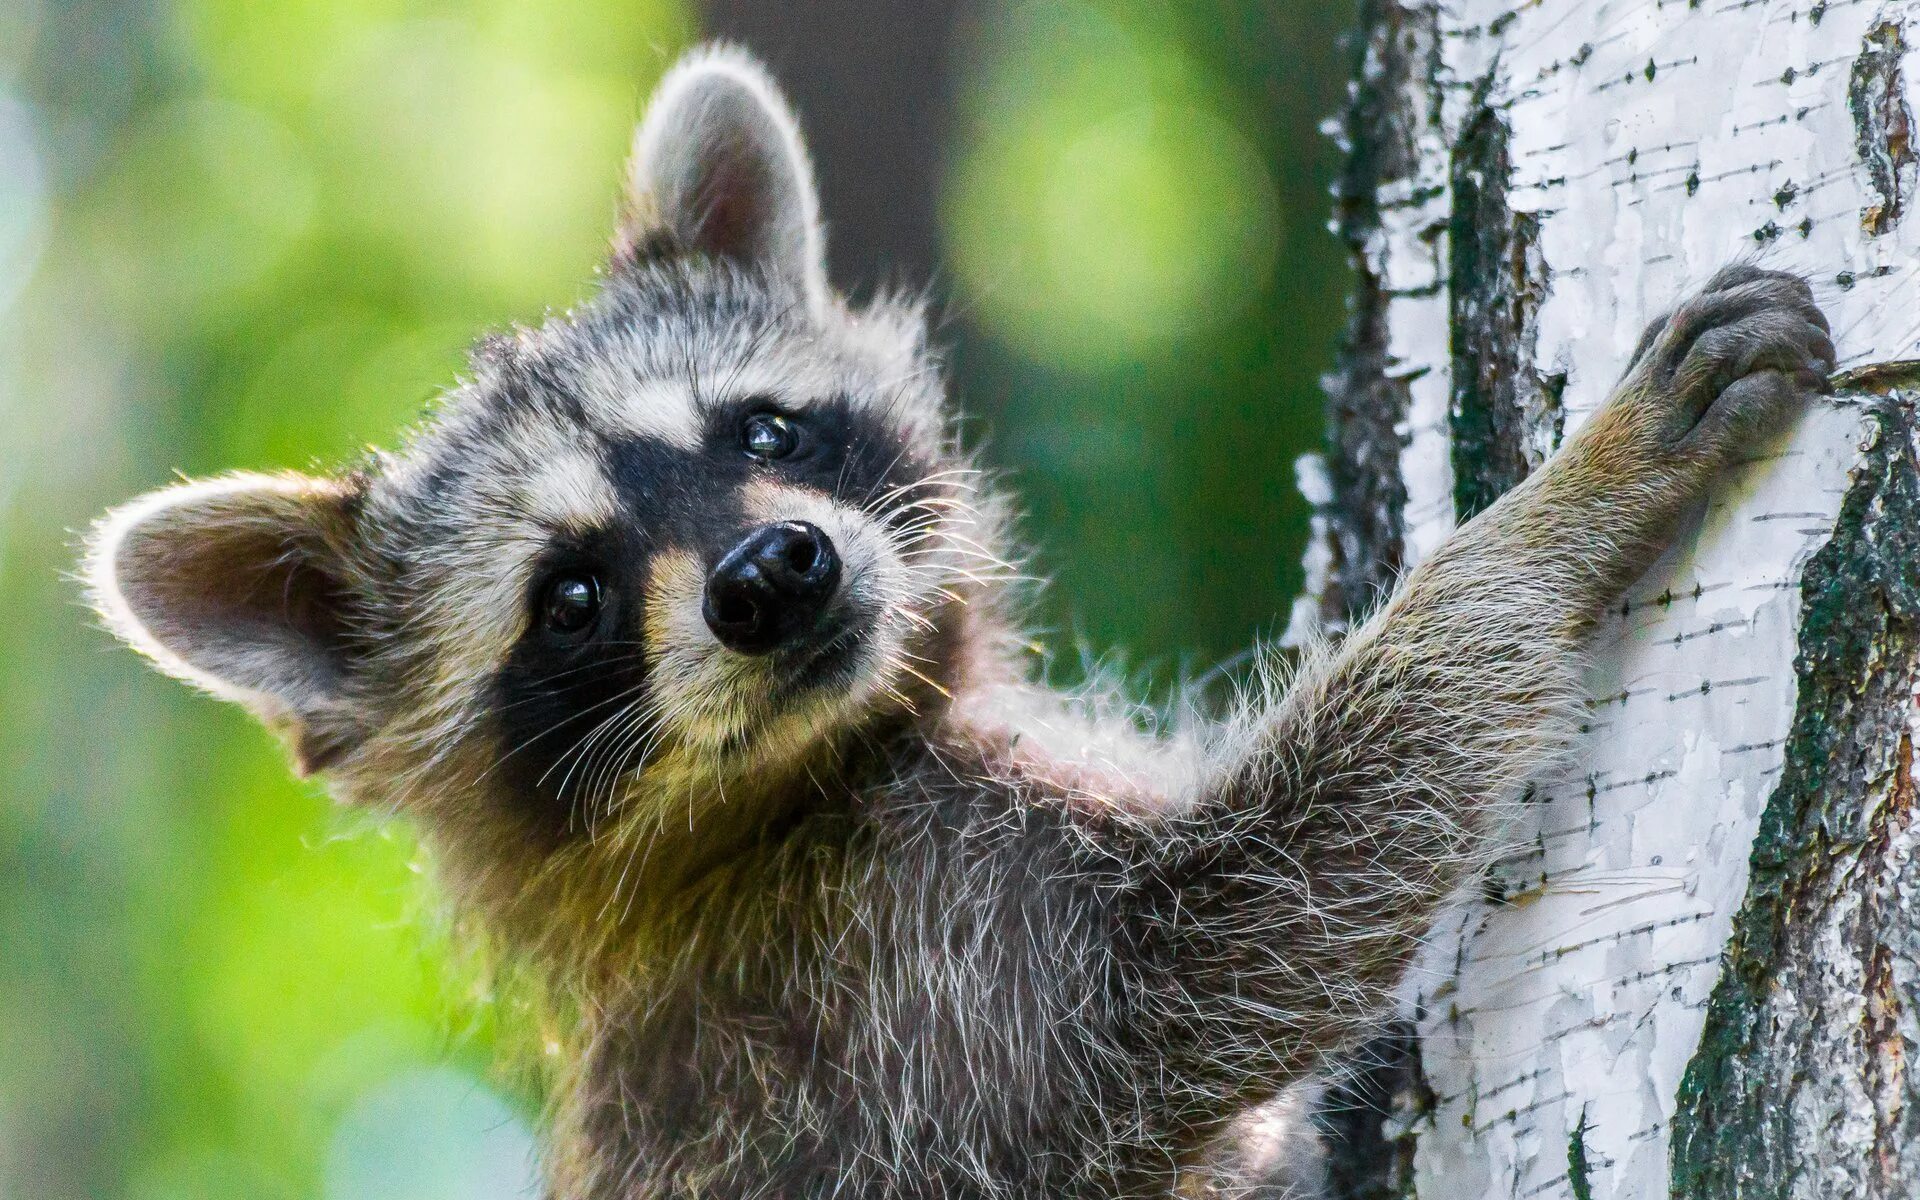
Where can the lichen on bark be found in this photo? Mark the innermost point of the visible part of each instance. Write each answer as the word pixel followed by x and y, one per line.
pixel 1579 1170
pixel 1883 124
pixel 1828 914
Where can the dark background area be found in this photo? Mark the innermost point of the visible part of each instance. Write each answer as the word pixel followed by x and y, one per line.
pixel 236 234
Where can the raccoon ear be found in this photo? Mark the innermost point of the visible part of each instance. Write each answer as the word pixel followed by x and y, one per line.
pixel 719 168
pixel 236 585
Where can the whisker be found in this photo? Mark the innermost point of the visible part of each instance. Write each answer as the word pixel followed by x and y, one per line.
pixel 557 726
pixel 923 679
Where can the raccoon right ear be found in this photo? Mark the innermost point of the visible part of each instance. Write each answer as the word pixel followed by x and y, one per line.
pixel 237 585
pixel 718 168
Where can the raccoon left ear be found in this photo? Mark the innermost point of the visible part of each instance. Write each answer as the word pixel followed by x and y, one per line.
pixel 719 168
pixel 238 586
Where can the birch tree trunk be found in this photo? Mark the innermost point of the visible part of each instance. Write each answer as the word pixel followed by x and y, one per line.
pixel 1698 972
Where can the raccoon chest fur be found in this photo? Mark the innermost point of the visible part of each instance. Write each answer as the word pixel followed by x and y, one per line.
pixel 920 996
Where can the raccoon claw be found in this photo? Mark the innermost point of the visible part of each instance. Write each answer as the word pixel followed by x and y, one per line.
pixel 1734 289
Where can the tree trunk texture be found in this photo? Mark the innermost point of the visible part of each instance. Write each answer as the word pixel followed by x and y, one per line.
pixel 1697 973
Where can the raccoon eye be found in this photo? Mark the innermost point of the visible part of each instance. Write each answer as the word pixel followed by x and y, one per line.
pixel 570 603
pixel 767 436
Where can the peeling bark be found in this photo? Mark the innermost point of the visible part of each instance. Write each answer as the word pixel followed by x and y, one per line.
pixel 1697 972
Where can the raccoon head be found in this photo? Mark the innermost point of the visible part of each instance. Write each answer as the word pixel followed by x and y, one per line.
pixel 653 563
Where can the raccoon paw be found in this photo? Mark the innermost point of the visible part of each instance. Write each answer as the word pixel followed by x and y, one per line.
pixel 1730 365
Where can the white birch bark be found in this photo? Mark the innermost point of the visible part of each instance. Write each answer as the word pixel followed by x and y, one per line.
pixel 1606 157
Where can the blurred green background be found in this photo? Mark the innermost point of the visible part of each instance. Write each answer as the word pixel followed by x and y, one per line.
pixel 236 233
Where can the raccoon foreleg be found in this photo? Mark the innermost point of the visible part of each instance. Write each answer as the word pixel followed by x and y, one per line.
pixel 1278 914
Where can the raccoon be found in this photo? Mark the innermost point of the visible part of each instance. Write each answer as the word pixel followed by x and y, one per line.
pixel 682 632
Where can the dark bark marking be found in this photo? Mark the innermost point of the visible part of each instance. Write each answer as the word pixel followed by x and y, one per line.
pixel 1885 1048
pixel 1365 1159
pixel 1821 863
pixel 1500 413
pixel 1366 401
pixel 1883 124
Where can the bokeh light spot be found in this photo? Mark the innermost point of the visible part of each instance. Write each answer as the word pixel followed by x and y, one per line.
pixel 209 197
pixel 432 1135
pixel 1108 201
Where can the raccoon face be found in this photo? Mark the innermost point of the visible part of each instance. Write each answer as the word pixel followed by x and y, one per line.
pixel 695 534
pixel 682 538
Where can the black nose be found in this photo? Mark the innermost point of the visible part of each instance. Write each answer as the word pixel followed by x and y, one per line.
pixel 771 588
